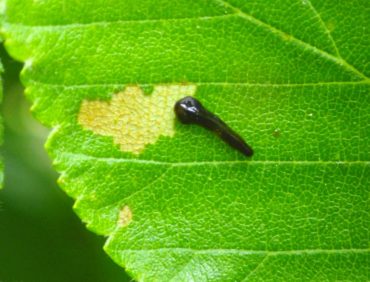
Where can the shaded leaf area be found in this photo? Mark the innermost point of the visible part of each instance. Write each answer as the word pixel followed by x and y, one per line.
pixel 1 130
pixel 290 76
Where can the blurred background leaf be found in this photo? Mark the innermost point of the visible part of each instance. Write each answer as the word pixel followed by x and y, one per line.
pixel 41 239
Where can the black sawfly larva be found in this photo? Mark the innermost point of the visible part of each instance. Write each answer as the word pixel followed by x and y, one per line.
pixel 190 111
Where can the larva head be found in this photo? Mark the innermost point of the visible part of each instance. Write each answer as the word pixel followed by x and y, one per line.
pixel 188 110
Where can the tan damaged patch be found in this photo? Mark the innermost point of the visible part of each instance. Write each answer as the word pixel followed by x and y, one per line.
pixel 124 217
pixel 132 118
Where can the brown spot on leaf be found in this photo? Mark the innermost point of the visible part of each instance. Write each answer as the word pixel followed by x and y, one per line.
pixel 276 133
pixel 125 216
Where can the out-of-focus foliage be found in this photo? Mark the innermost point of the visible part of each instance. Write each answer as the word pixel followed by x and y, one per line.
pixel 40 237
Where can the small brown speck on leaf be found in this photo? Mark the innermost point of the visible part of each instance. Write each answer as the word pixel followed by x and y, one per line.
pixel 276 133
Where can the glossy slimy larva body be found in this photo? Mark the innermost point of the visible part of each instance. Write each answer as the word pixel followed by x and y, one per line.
pixel 190 111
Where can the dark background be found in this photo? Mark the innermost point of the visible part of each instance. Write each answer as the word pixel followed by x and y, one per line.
pixel 41 239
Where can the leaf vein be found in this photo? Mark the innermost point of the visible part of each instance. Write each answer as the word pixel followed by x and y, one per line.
pixel 322 23
pixel 105 23
pixel 339 61
pixel 78 157
pixel 252 252
pixel 210 83
pixel 263 260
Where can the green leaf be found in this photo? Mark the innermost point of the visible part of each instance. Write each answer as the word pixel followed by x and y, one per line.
pixel 176 203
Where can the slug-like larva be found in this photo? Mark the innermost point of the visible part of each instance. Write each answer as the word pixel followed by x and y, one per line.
pixel 190 111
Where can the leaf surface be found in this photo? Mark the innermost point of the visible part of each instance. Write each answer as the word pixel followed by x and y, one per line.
pixel 292 77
